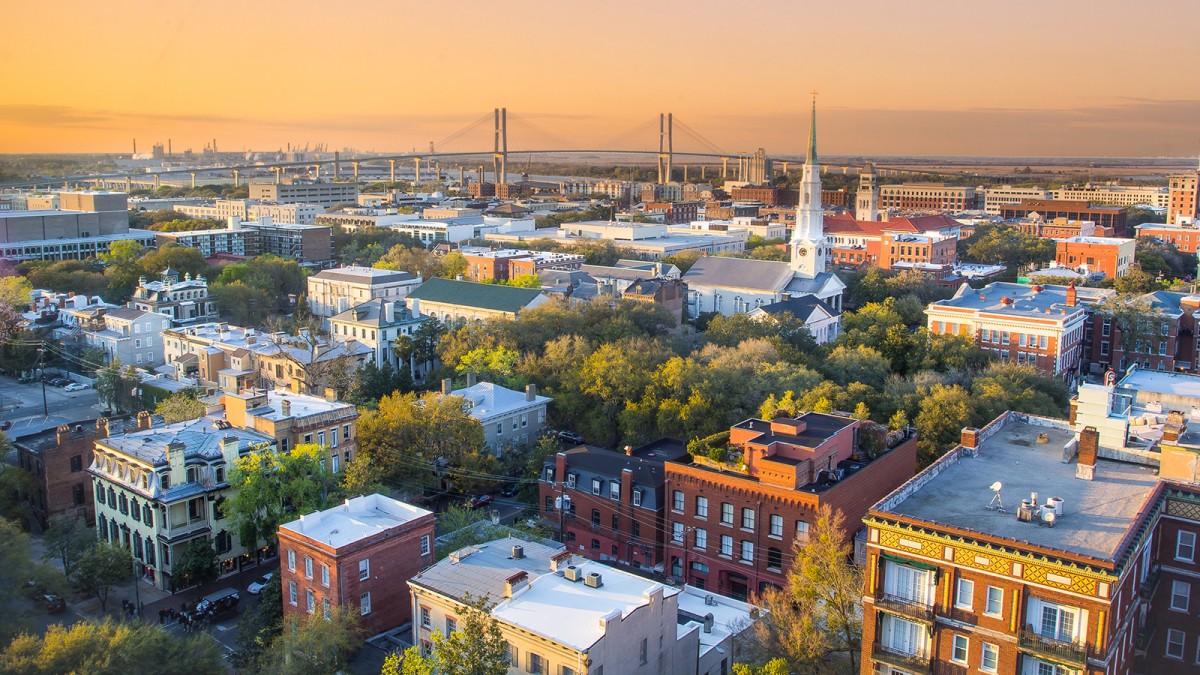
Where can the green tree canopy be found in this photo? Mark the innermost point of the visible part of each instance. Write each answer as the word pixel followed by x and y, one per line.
pixel 100 568
pixel 180 407
pixel 269 488
pixel 477 647
pixel 111 648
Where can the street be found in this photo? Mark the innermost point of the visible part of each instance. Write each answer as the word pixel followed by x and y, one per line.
pixel 22 404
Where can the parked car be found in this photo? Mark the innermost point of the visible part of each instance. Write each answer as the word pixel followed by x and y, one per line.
pixel 6 425
pixel 479 501
pixel 570 437
pixel 54 603
pixel 256 587
pixel 76 386
pixel 510 491
pixel 61 382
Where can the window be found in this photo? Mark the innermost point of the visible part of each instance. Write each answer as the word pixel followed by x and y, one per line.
pixel 311 598
pixel 748 519
pixel 1181 593
pixel 510 653
pixel 1058 622
pixel 570 480
pixel 424 544
pixel 994 602
pixel 901 636
pixel 677 501
pixel 596 486
pixel 451 625
pixel 726 513
pixel 333 434
pixel 364 569
pixel 642 652
pixel 774 559
pixel 961 649
pixel 292 592
pixel 677 532
pixel 595 518
pixel 801 530
pixel 908 583
pixel 364 604
pixel 595 544
pixel 291 561
pixel 535 663
pixel 701 538
pixel 614 490
pixel 701 507
pixel 637 497
pixel 747 551
pixel 76 463
pixel 325 575
pixel 1174 644
pixel 776 526
pixel 965 594
pixel 326 609
pixel 307 567
pixel 616 522
pixel 635 530
pixel 1185 546
pixel 727 545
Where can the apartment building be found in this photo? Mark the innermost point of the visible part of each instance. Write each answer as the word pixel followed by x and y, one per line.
pixel 731 524
pixel 290 419
pixel 1041 325
pixel 510 418
pixel 55 460
pixel 159 487
pixel 185 300
pixel 356 555
pixel 506 263
pixel 1060 228
pixel 1185 237
pixel 1068 563
pixel 1110 219
pixel 609 505
pixel 1183 207
pixel 1120 195
pixel 378 324
pixel 995 198
pixel 334 291
pixel 1166 343
pixel 559 613
pixel 1110 256
pixel 931 196
pixel 245 209
pixel 133 336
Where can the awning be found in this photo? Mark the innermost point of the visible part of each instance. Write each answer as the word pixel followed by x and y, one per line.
pixel 911 563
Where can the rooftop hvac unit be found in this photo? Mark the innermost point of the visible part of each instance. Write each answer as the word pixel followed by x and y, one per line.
pixel 572 573
pixel 594 580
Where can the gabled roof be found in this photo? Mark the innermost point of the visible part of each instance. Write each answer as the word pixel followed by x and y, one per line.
pixel 471 294
pixel 765 275
pixel 802 307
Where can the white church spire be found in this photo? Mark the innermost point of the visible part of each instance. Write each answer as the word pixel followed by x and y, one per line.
pixel 808 237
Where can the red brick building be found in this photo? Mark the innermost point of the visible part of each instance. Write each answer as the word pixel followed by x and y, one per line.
pixel 916 249
pixel 505 264
pixel 765 194
pixel 1110 256
pixel 1183 205
pixel 1168 343
pixel 56 460
pixel 730 526
pixel 1110 219
pixel 358 554
pixel 1079 565
pixel 608 505
pixel 1185 238
pixel 677 213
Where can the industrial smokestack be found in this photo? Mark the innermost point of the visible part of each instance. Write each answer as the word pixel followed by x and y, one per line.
pixel 169 153
pixel 135 146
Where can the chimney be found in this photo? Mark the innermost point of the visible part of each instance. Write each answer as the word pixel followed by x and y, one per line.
pixel 62 434
pixel 447 386
pixel 229 445
pixel 969 438
pixel 1174 427
pixel 516 582
pixel 414 307
pixel 531 392
pixel 389 311
pixel 102 428
pixel 470 379
pixel 143 420
pixel 1072 295
pixel 1089 443
pixel 285 407
pixel 560 560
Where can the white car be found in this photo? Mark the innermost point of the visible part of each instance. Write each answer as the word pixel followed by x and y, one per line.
pixel 76 386
pixel 256 587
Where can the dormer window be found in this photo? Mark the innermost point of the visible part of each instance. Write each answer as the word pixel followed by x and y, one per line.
pixel 165 481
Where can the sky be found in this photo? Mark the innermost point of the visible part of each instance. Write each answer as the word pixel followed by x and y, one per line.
pixel 926 77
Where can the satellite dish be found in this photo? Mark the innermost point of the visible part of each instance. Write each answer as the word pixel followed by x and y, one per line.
pixel 996 486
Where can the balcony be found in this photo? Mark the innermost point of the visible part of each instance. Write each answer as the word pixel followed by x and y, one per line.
pixel 915 663
pixel 1150 584
pixel 1051 648
pixel 1145 634
pixel 906 607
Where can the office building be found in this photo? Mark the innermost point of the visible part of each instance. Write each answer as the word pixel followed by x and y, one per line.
pixel 334 291
pixel 927 196
pixel 323 194
pixel 1109 256
pixel 1111 219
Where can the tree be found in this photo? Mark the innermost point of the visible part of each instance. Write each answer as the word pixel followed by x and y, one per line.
pixel 99 569
pixel 67 539
pixel 180 407
pixel 197 563
pixel 243 304
pixel 478 647
pixel 1134 320
pixel 814 622
pixel 16 484
pixel 1137 281
pixel 498 365
pixel 268 485
pixel 259 626
pixel 15 292
pixel 316 644
pixel 944 411
pixel 14 564
pixel 111 647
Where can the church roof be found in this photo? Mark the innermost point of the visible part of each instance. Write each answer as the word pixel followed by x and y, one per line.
pixel 802 307
pixel 762 275
pixel 845 224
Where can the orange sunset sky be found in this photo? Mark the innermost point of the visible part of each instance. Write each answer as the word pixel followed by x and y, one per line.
pixel 1017 77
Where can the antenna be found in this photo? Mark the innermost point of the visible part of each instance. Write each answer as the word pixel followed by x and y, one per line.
pixel 997 504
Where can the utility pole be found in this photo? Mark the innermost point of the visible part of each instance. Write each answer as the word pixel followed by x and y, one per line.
pixel 42 377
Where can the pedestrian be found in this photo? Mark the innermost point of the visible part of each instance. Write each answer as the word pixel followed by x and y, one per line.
pixel 161 616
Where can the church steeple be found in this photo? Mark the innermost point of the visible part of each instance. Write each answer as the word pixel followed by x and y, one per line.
pixel 808 237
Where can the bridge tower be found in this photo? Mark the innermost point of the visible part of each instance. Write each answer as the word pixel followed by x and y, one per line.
pixel 666 145
pixel 392 169
pixel 500 147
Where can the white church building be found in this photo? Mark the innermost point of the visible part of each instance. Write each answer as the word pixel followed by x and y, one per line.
pixel 732 285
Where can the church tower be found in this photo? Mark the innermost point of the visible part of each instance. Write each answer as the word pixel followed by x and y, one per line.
pixel 866 201
pixel 808 237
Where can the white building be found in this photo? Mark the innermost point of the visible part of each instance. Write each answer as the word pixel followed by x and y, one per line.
pixel 996 198
pixel 184 301
pixel 132 335
pixel 377 324
pixel 822 322
pixel 334 291
pixel 509 418
pixel 560 613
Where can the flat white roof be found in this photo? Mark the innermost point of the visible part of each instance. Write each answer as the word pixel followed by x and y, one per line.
pixel 571 612
pixel 301 405
pixel 730 616
pixel 355 519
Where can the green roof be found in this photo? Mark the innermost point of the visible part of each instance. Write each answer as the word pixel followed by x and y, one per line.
pixel 472 294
